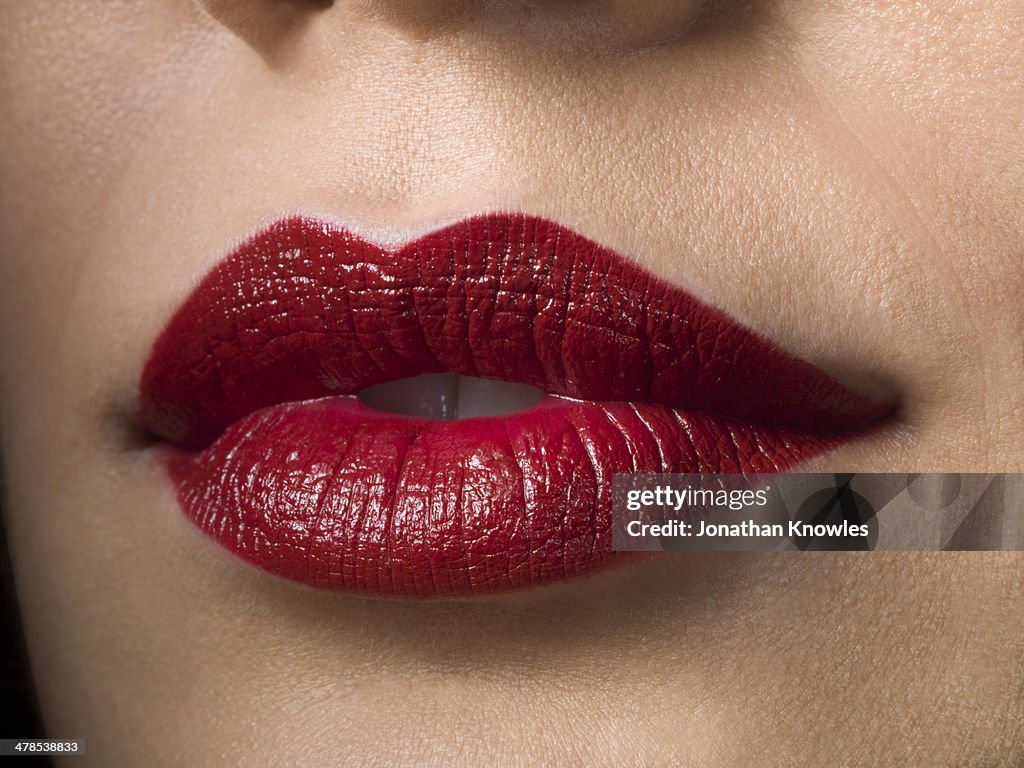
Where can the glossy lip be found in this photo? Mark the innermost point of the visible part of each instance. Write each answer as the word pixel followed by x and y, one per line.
pixel 252 387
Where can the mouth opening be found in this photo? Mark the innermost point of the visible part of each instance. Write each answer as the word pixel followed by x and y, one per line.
pixel 450 396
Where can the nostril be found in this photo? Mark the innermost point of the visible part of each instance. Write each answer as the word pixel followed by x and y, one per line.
pixel 450 396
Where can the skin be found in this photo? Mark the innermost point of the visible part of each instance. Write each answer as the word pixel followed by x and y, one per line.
pixel 845 177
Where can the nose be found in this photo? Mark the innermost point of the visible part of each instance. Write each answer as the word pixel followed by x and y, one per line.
pixel 632 24
pixel 568 24
pixel 419 18
pixel 618 23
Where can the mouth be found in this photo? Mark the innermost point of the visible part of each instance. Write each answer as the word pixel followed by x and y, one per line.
pixel 444 418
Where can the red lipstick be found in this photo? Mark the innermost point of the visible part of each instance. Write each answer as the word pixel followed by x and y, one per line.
pixel 253 382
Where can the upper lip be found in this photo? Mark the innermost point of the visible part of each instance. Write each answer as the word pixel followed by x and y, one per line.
pixel 479 298
pixel 252 384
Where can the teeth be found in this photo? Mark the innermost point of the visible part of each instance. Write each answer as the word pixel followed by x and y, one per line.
pixel 486 397
pixel 450 396
pixel 432 395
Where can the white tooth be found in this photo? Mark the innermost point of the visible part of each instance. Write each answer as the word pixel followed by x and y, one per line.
pixel 485 397
pixel 432 395
pixel 449 396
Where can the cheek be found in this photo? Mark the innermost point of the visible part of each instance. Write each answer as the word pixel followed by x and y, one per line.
pixel 936 97
pixel 85 82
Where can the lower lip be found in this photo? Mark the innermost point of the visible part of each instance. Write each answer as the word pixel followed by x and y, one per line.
pixel 340 496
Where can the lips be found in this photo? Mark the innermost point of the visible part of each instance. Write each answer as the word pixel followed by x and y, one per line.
pixel 253 386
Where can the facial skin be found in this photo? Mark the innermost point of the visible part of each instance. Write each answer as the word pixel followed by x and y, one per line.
pixel 844 177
